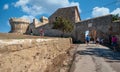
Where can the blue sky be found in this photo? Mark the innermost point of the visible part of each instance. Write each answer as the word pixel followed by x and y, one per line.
pixel 36 8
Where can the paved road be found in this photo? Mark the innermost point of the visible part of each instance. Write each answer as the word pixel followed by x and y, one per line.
pixel 94 58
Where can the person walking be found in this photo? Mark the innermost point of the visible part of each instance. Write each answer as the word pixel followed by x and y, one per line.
pixel 42 32
pixel 114 42
pixel 97 41
pixel 87 39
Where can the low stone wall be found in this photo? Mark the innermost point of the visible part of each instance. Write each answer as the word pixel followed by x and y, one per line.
pixel 34 55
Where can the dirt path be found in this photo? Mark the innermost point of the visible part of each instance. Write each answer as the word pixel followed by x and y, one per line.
pixel 94 58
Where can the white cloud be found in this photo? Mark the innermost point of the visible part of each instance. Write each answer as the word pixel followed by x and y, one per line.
pixel 116 11
pixel 6 6
pixel 21 3
pixel 38 7
pixel 97 11
pixel 29 17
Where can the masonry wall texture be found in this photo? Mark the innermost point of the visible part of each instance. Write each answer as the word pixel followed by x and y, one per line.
pixel 101 27
pixel 118 36
pixel 35 55
pixel 19 25
pixel 33 27
pixel 70 13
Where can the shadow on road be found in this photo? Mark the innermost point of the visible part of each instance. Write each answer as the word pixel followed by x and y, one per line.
pixel 100 52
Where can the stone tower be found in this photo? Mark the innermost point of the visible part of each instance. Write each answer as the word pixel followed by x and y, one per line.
pixel 43 21
pixel 19 25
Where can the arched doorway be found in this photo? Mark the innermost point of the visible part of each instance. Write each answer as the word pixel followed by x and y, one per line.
pixel 93 35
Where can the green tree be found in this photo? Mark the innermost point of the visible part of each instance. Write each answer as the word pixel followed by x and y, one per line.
pixel 63 24
pixel 115 17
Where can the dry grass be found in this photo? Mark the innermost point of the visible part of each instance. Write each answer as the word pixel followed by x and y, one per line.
pixel 17 36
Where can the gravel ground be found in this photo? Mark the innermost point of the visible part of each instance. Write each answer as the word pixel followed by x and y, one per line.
pixel 94 58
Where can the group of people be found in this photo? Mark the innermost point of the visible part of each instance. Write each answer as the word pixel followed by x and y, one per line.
pixel 113 41
pixel 97 41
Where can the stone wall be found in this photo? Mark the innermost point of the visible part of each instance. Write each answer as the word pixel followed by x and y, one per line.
pixel 118 42
pixel 34 55
pixel 43 21
pixel 48 31
pixel 21 25
pixel 102 25
pixel 33 27
pixel 116 28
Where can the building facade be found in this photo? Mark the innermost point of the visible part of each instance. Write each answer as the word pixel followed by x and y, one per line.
pixel 102 26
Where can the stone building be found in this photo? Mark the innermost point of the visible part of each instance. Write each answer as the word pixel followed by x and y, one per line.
pixel 70 13
pixel 19 25
pixel 102 26
pixel 34 26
